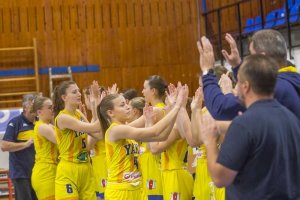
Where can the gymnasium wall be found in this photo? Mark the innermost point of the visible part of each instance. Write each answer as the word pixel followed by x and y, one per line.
pixel 129 40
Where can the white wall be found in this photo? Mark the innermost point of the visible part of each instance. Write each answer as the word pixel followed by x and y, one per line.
pixel 296 55
pixel 3 157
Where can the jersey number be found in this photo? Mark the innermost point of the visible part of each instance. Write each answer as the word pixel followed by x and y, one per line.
pixel 135 162
pixel 83 143
pixel 69 188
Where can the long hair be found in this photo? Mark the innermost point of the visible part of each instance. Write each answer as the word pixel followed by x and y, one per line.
pixel 58 103
pixel 105 105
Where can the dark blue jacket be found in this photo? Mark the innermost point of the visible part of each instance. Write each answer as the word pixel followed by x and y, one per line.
pixel 226 107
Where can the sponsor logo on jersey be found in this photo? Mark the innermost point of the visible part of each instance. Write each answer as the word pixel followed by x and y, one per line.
pixel 175 196
pixel 129 176
pixel 24 124
pixel 83 156
pixel 151 184
pixel 103 183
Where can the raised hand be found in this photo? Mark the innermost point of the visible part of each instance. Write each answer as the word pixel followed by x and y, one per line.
pixel 82 109
pixel 197 100
pixel 233 58
pixel 186 96
pixel 182 96
pixel 171 95
pixel 113 90
pixel 148 115
pixel 207 58
pixel 225 83
pixel 95 89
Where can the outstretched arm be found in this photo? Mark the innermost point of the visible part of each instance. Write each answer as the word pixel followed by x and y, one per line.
pixel 158 147
pixel 222 107
pixel 159 132
pixel 67 122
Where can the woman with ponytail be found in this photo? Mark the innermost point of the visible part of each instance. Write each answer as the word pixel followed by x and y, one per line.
pixel 124 178
pixel 74 177
pixel 46 152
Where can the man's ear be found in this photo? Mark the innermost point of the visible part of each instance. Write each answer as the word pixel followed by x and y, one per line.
pixel 246 86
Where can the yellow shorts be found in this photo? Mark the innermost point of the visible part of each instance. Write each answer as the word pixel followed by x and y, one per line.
pixel 178 184
pixel 115 193
pixel 74 181
pixel 43 180
pixel 204 187
pixel 100 172
pixel 151 175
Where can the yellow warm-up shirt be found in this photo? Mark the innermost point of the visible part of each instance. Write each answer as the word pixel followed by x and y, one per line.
pixel 45 151
pixel 173 157
pixel 122 163
pixel 72 145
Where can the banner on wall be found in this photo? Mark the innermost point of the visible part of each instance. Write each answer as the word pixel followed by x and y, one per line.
pixel 6 116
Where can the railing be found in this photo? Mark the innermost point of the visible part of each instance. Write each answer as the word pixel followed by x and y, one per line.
pixel 284 18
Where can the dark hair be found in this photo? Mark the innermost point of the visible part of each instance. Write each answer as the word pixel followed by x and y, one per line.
pixel 105 105
pixel 159 84
pixel 138 103
pixel 58 103
pixel 130 93
pixel 272 43
pixel 261 73
pixel 38 103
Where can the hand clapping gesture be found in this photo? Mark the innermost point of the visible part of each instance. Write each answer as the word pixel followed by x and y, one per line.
pixel 225 83
pixel 197 100
pixel 233 58
pixel 207 58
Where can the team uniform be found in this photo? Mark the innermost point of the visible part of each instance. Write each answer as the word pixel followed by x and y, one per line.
pixel 100 168
pixel 177 181
pixel 204 187
pixel 44 170
pixel 151 173
pixel 124 178
pixel 74 176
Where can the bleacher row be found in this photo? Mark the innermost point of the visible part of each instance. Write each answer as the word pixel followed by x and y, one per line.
pixel 275 18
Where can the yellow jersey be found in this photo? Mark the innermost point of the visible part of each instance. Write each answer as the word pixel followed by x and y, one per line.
pixel 122 163
pixel 100 166
pixel 72 145
pixel 173 157
pixel 45 151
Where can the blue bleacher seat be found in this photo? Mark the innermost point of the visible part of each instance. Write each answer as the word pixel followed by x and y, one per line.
pixel 249 26
pixel 271 19
pixel 281 17
pixel 290 4
pixel 258 24
pixel 294 13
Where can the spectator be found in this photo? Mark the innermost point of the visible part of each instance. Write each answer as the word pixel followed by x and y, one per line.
pixel 267 42
pixel 18 141
pixel 259 156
